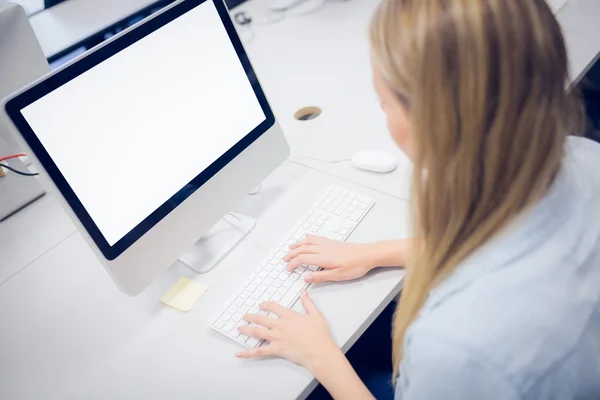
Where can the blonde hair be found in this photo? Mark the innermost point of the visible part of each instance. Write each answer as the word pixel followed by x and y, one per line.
pixel 486 86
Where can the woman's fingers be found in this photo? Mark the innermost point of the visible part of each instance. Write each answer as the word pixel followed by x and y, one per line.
pixel 263 351
pixel 308 304
pixel 303 249
pixel 263 320
pixel 306 259
pixel 310 240
pixel 259 333
pixel 276 309
pixel 300 243
pixel 331 275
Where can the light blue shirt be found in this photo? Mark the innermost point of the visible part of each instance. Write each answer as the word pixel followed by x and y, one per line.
pixel 520 318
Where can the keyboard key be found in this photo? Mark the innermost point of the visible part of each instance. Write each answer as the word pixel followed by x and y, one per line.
pixel 219 324
pixel 238 302
pixel 277 297
pixel 356 216
pixel 238 316
pixel 313 268
pixel 228 327
pixel 252 342
pixel 292 294
pixel 363 199
pixel 265 297
pixel 243 338
pixel 233 309
pixel 226 316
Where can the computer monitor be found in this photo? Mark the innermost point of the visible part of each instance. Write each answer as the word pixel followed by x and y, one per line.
pixel 151 138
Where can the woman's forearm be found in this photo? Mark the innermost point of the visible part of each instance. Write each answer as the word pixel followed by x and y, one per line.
pixel 336 374
pixel 390 253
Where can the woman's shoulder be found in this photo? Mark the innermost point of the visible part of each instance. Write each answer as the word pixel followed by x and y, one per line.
pixel 529 322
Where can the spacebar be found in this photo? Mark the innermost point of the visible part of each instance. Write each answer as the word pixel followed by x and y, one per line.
pixel 293 293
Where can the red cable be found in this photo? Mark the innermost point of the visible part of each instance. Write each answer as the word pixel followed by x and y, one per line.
pixel 12 156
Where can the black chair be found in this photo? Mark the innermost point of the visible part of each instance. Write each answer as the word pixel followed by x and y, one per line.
pixel 50 3
pixel 590 91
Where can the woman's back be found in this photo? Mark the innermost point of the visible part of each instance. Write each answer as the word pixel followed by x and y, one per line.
pixel 520 318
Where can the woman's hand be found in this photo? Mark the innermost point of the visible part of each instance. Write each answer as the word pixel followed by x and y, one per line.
pixel 341 261
pixel 301 339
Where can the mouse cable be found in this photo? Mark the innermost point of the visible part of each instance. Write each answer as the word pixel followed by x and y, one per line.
pixel 16 171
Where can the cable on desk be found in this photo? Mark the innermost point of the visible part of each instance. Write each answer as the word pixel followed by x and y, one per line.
pixel 324 161
pixel 10 157
pixel 16 171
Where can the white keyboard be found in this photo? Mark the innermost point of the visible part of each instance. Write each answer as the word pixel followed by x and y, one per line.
pixel 335 215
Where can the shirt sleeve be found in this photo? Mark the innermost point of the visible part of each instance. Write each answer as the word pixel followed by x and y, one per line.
pixel 434 369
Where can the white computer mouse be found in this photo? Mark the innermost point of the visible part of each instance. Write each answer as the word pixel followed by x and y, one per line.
pixel 375 161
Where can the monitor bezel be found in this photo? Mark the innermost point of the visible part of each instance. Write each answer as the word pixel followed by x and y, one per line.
pixel 116 44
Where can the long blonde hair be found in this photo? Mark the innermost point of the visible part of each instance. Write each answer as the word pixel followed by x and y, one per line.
pixel 486 86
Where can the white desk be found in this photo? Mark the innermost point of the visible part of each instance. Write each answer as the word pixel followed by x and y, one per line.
pixel 68 333
pixel 322 59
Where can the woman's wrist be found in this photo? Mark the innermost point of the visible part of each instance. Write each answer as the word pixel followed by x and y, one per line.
pixel 324 360
pixel 391 253
pixel 335 373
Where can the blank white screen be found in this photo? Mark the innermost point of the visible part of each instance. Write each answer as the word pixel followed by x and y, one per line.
pixel 134 130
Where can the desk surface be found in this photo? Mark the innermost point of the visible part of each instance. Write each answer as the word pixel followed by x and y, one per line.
pixel 73 335
pixel 326 64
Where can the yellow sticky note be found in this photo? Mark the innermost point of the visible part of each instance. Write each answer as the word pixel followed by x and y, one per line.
pixel 184 294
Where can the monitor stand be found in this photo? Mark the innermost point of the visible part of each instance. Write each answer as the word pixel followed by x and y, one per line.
pixel 217 243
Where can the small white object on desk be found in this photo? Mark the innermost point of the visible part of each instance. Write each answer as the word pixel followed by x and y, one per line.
pixel 375 161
